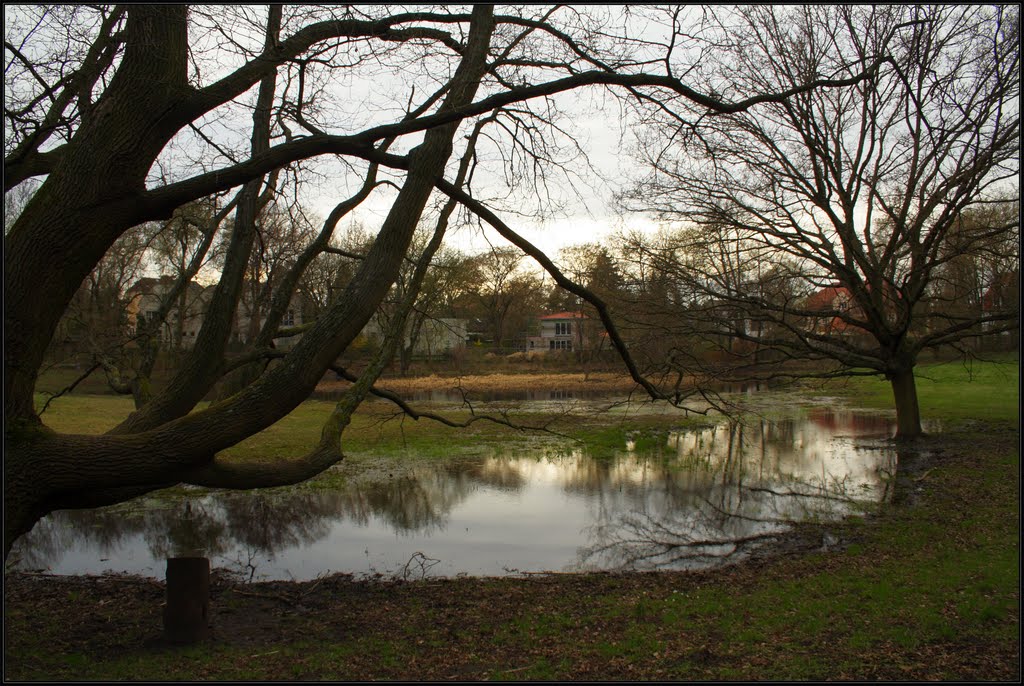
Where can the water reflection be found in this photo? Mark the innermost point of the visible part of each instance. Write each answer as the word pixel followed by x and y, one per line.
pixel 732 487
pixel 696 499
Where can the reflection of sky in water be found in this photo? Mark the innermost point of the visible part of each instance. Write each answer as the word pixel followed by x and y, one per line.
pixel 699 498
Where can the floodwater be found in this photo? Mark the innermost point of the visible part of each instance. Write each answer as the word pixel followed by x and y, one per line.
pixel 692 499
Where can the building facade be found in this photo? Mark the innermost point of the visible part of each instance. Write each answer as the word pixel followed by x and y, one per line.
pixel 562 331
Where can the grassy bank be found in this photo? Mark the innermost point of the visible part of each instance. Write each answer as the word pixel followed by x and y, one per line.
pixel 380 429
pixel 923 590
pixel 949 391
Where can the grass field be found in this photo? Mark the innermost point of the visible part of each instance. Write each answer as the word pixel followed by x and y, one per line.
pixel 951 391
pixel 379 427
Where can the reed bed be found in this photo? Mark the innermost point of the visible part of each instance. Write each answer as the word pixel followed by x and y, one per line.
pixel 596 381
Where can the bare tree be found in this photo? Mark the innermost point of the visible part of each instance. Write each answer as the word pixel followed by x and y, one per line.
pixel 980 274
pixel 14 202
pixel 450 277
pixel 96 328
pixel 179 250
pixel 507 295
pixel 655 295
pixel 229 98
pixel 819 225
pixel 280 240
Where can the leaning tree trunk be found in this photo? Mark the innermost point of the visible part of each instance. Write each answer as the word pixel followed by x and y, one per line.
pixel 45 470
pixel 908 412
pixel 90 195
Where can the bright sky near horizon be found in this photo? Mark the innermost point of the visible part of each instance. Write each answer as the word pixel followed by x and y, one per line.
pixel 549 235
pixel 584 213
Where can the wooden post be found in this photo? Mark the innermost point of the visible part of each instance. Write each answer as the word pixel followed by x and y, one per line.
pixel 188 600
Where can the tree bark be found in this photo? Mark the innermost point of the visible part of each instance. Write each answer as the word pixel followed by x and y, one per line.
pixel 908 412
pixel 186 613
pixel 194 378
pixel 92 189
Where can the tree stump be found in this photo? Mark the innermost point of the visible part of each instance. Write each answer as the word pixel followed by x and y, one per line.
pixel 188 600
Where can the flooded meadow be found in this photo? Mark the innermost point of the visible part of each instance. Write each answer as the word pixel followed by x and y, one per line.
pixel 664 499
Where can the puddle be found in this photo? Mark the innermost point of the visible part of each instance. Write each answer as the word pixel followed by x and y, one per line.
pixel 694 499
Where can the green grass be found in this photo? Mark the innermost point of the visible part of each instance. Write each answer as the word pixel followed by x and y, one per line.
pixel 374 427
pixel 378 429
pixel 929 592
pixel 949 391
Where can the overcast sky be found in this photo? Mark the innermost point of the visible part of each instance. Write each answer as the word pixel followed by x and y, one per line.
pixel 361 99
pixel 587 212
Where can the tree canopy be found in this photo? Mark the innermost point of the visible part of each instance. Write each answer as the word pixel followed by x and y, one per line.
pixel 838 224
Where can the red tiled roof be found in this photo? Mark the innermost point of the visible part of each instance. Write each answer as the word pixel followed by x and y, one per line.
pixel 564 315
pixel 823 299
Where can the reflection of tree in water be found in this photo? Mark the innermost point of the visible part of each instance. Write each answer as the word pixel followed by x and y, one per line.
pixel 498 473
pixel 45 543
pixel 272 522
pixel 707 493
pixel 188 527
pixel 169 527
pixel 735 487
pixel 707 534
pixel 214 524
pixel 418 501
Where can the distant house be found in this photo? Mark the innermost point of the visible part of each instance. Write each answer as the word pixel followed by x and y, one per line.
pixel 441 337
pixel 438 337
pixel 829 301
pixel 145 297
pixel 563 331
pixel 245 328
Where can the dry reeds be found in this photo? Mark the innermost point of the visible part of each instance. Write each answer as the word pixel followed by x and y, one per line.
pixel 491 383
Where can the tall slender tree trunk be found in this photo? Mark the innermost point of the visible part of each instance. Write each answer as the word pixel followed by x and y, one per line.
pixel 908 412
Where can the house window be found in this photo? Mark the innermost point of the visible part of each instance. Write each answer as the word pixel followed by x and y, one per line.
pixel 561 345
pixel 552 344
pixel 563 328
pixel 289 318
